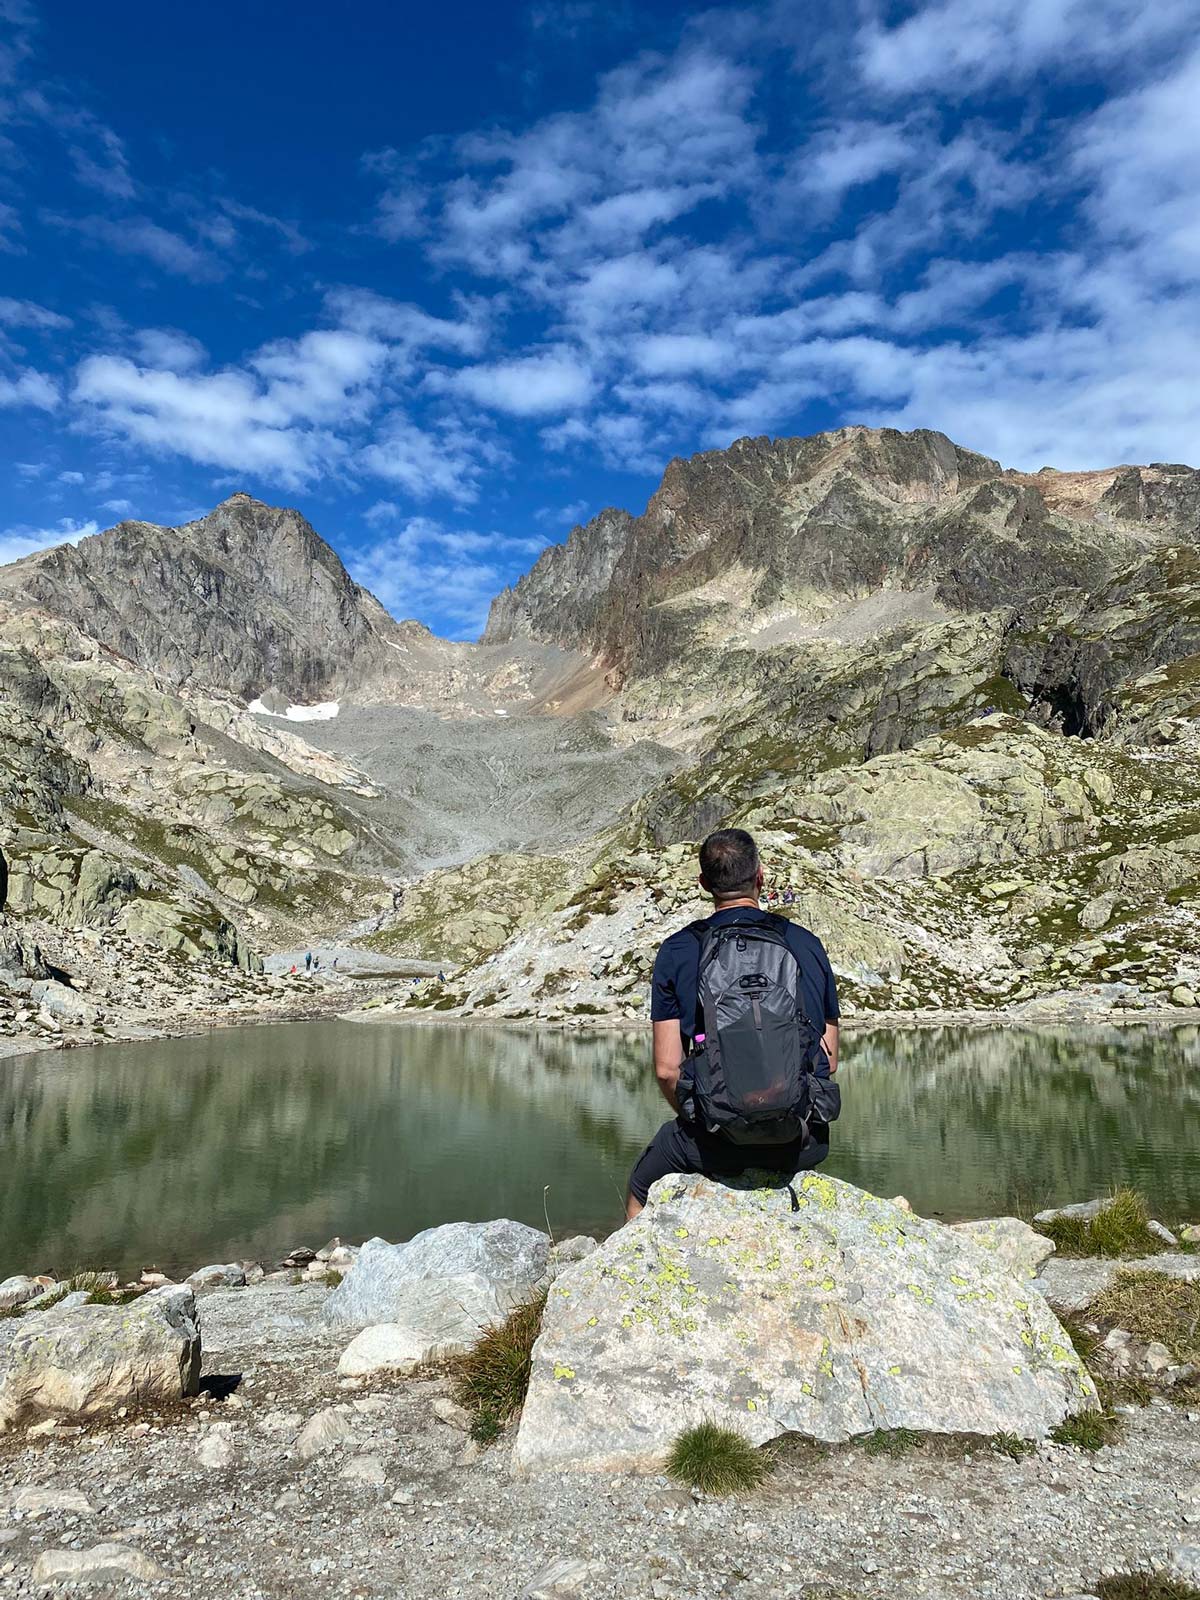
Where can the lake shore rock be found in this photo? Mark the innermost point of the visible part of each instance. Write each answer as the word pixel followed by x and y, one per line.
pixel 493 1266
pixel 830 1315
pixel 93 1359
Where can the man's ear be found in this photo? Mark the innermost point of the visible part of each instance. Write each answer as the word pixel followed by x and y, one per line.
pixel 703 885
pixel 759 877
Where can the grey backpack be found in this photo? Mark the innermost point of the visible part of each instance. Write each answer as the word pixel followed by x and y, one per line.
pixel 754 1074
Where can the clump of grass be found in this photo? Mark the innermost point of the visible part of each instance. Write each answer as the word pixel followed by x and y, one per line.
pixel 1145 1586
pixel 333 1277
pixel 893 1441
pixel 716 1460
pixel 493 1377
pixel 112 1297
pixel 1012 1445
pixel 1088 1430
pixel 486 1427
pixel 1119 1228
pixel 1155 1307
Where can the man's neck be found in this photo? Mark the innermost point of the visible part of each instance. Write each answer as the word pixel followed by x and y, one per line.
pixel 728 905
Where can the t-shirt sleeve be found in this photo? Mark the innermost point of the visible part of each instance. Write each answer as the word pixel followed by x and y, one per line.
pixel 833 1011
pixel 664 996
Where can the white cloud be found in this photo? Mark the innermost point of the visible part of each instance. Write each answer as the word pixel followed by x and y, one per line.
pixel 528 386
pixel 169 347
pixel 427 462
pixel 18 542
pixel 221 419
pixel 141 236
pixel 27 314
pixel 959 47
pixel 29 388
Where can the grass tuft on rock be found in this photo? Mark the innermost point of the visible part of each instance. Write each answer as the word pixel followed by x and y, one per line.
pixel 1154 1306
pixel 1145 1586
pixel 716 1460
pixel 492 1379
pixel 1088 1430
pixel 1120 1228
pixel 1012 1445
pixel 893 1441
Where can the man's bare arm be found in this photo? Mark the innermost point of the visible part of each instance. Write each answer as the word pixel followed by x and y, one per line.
pixel 830 1041
pixel 668 1059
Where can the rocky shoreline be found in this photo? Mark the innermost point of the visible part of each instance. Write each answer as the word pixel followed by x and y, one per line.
pixel 289 1463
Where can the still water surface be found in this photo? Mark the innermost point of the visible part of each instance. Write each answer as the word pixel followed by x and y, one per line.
pixel 245 1142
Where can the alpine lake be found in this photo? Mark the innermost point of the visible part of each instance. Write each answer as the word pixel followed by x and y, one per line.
pixel 244 1143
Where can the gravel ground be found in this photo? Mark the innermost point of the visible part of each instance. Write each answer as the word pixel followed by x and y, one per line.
pixel 403 1507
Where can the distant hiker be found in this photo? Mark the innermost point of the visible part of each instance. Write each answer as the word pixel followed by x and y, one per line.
pixel 293 969
pixel 335 962
pixel 788 897
pixel 441 977
pixel 745 1016
pixel 772 896
pixel 308 961
pixel 316 963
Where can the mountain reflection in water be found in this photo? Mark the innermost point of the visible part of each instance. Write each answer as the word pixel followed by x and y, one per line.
pixel 246 1142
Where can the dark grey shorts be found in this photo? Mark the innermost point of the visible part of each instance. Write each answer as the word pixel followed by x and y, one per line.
pixel 681 1146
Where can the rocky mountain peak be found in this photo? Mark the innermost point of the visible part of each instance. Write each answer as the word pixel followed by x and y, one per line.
pixel 734 538
pixel 246 598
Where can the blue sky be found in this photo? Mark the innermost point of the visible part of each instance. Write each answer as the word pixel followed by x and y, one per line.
pixel 451 279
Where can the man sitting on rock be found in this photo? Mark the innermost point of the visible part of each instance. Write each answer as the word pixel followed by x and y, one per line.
pixel 745 1017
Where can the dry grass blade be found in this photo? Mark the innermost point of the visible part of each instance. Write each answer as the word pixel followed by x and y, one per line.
pixel 1155 1306
pixel 1145 1586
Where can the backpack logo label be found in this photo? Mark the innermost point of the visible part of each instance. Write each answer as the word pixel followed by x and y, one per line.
pixel 754 980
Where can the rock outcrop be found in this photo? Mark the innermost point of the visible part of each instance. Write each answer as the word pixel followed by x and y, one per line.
pixel 441 1288
pixel 830 1316
pixel 92 1359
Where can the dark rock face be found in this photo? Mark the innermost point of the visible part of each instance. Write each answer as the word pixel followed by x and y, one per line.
pixel 841 515
pixel 246 599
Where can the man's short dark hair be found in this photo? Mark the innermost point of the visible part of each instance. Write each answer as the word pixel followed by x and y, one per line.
pixel 729 863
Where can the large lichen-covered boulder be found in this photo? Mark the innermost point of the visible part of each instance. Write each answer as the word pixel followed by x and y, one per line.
pixel 390 1282
pixel 831 1320
pixel 91 1360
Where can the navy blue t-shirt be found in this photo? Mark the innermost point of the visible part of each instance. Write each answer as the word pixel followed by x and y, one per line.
pixel 677 972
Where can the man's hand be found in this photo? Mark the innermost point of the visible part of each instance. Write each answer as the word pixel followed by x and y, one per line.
pixel 830 1041
pixel 668 1059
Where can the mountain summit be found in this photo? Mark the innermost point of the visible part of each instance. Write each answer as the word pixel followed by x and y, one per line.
pixel 248 598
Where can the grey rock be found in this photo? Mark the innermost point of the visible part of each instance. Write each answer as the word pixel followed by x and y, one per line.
pixel 451 1413
pixel 232 1275
pixel 42 1501
pixel 91 1360
pixel 1161 1231
pixel 1185 1562
pixel 103 1563
pixel 325 1430
pixel 18 1290
pixel 63 1003
pixel 387 1347
pixel 1072 1285
pixel 850 1315
pixel 564 1576
pixel 1020 1247
pixel 217 1449
pixel 1081 1211
pixel 364 1469
pixel 509 1258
